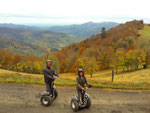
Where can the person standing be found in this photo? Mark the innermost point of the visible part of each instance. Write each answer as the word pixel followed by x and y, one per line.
pixel 49 75
pixel 81 81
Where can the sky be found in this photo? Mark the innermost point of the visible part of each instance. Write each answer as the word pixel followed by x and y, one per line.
pixel 65 12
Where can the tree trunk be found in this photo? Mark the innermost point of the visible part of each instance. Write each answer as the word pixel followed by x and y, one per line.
pixel 112 76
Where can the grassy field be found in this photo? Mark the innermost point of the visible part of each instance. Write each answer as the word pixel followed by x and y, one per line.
pixel 130 80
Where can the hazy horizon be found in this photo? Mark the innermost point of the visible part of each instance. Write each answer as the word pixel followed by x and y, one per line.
pixel 64 24
pixel 67 12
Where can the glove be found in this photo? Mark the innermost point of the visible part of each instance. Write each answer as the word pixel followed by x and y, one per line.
pixel 57 75
pixel 53 79
pixel 89 86
pixel 83 89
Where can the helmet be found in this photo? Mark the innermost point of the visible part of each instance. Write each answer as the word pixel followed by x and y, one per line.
pixel 80 70
pixel 48 61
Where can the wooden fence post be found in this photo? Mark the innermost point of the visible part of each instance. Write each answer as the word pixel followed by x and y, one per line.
pixel 112 75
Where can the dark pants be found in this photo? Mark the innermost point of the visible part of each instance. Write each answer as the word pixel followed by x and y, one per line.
pixel 80 95
pixel 48 87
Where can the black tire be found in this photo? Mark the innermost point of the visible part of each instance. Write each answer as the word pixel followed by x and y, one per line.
pixel 45 100
pixel 55 93
pixel 88 105
pixel 74 105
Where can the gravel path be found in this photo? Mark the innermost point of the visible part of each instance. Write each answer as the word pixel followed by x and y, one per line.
pixel 17 98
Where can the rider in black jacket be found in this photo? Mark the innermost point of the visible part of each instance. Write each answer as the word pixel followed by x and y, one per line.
pixel 81 81
pixel 49 75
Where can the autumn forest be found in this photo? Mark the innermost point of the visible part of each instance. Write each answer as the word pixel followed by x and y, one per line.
pixel 125 47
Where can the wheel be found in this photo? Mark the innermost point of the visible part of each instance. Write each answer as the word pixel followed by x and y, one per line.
pixel 55 93
pixel 88 105
pixel 45 100
pixel 74 105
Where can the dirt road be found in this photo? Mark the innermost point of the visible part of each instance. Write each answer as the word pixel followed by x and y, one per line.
pixel 17 98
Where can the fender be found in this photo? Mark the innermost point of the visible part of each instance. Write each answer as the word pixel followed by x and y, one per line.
pixel 45 93
pixel 87 95
pixel 75 98
pixel 54 88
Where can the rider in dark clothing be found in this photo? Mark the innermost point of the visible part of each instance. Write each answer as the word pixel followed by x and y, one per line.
pixel 49 75
pixel 81 81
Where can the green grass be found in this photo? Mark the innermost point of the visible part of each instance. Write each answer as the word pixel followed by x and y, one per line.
pixel 138 80
pixel 18 78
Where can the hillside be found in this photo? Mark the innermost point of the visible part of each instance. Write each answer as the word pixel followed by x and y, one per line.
pixel 33 41
pixel 22 39
pixel 123 47
pixel 84 30
pixel 132 80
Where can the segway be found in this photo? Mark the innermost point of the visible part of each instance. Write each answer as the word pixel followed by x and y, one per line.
pixel 46 98
pixel 77 104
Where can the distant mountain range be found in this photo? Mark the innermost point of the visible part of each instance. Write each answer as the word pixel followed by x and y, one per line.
pixel 84 30
pixel 36 42
pixel 14 26
pixel 24 39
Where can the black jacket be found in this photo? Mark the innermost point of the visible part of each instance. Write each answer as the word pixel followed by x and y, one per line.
pixel 48 74
pixel 81 81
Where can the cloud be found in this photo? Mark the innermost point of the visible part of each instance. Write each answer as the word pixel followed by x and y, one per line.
pixel 73 11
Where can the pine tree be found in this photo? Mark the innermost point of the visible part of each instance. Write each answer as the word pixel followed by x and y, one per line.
pixel 103 33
